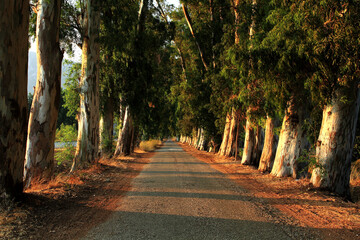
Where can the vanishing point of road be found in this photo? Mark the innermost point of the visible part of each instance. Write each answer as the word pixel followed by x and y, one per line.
pixel 177 196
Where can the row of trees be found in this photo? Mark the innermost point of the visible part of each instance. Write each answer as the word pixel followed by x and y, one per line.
pixel 124 75
pixel 279 78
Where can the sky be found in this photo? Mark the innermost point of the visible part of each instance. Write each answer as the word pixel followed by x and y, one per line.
pixel 176 3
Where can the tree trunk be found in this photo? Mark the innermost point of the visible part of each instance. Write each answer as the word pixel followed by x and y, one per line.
pixel 270 144
pixel 230 146
pixel 258 146
pixel 237 21
pixel 123 146
pixel 203 141
pixel 336 141
pixel 189 22
pixel 14 25
pixel 226 135
pixel 249 143
pixel 39 158
pixel 292 141
pixel 107 127
pixel 88 135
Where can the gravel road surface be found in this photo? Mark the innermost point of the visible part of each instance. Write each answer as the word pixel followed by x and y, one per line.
pixel 177 196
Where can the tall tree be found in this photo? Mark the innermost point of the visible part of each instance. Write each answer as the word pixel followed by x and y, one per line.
pixel 39 159
pixel 14 27
pixel 334 33
pixel 88 126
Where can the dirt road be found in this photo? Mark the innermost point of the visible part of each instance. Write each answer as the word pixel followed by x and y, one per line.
pixel 177 196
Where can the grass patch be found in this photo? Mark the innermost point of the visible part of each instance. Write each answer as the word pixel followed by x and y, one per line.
pixel 149 146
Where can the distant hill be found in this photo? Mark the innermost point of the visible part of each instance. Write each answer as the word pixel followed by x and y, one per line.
pixel 32 72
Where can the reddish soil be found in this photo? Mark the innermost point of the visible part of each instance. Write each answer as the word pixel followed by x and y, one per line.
pixel 70 205
pixel 310 207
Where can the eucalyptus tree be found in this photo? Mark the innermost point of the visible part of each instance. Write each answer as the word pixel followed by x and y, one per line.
pixel 333 31
pixel 14 27
pixel 88 123
pixel 39 159
pixel 287 69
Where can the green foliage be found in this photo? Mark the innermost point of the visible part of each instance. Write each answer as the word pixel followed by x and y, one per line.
pixel 71 91
pixel 64 117
pixel 29 100
pixel 66 135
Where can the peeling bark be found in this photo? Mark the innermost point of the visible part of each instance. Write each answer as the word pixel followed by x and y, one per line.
pixel 248 144
pixel 88 135
pixel 336 141
pixel 292 141
pixel 14 25
pixel 202 146
pixel 123 146
pixel 270 145
pixel 226 135
pixel 39 158
pixel 230 146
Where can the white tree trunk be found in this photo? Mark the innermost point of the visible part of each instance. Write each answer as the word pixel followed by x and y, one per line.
pixel 292 142
pixel 336 141
pixel 230 146
pixel 39 159
pixel 270 144
pixel 226 134
pixel 248 144
pixel 14 26
pixel 202 141
pixel 123 146
pixel 88 135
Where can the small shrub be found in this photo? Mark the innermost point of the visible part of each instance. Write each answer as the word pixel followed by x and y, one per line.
pixel 150 145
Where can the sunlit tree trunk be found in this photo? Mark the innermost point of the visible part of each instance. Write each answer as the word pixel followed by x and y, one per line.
pixel 292 141
pixel 203 141
pixel 88 135
pixel 230 146
pixel 39 158
pixel 226 135
pixel 123 146
pixel 335 143
pixel 14 25
pixel 248 144
pixel 270 144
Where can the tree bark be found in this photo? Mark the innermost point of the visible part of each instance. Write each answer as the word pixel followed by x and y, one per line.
pixel 249 144
pixel 270 144
pixel 292 141
pixel 226 135
pixel 123 146
pixel 107 127
pixel 336 141
pixel 39 158
pixel 189 22
pixel 230 146
pixel 258 146
pixel 203 141
pixel 88 135
pixel 14 25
